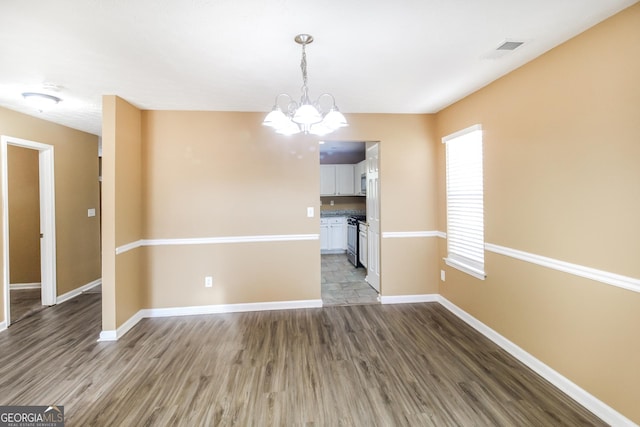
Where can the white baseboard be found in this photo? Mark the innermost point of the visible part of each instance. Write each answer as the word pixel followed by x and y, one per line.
pixel 18 286
pixel 593 404
pixel 108 336
pixel 204 309
pixel 408 299
pixel 123 329
pixel 74 293
pixel 3 326
pixel 231 308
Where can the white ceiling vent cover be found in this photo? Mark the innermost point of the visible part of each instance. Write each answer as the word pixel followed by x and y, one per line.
pixel 509 45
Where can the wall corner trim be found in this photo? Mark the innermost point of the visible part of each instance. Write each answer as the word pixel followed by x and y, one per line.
pixel 19 286
pixel 74 293
pixel 406 234
pixel 216 240
pixel 593 404
pixel 129 246
pixel 409 299
pixel 111 335
pixel 618 280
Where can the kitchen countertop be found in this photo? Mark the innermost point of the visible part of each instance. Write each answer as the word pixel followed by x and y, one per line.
pixel 337 213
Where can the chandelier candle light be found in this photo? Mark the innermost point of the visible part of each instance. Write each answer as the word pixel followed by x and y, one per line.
pixel 305 116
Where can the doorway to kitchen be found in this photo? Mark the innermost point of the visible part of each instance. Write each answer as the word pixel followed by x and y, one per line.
pixel 43 230
pixel 344 236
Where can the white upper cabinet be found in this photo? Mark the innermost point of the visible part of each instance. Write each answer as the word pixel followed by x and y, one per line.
pixel 327 180
pixel 337 180
pixel 344 180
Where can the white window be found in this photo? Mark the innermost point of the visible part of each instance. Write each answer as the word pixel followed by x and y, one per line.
pixel 465 206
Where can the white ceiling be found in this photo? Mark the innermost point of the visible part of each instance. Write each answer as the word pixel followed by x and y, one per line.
pixel 406 56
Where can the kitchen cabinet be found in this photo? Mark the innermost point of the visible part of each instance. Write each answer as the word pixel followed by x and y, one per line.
pixel 337 180
pixel 324 235
pixel 333 234
pixel 358 170
pixel 327 180
pixel 344 180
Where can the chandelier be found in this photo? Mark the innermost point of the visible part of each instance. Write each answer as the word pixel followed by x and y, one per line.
pixel 305 116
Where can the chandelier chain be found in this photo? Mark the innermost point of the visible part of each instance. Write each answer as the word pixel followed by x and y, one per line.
pixel 303 67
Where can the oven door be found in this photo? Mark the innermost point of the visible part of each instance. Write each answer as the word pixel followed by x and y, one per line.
pixel 352 241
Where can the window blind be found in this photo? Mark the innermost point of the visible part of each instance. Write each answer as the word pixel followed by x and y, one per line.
pixel 465 206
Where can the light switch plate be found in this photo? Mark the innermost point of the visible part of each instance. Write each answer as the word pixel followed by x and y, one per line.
pixel 91 212
pixel 310 212
pixel 442 275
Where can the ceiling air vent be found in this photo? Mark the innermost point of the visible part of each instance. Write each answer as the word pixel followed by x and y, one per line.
pixel 509 45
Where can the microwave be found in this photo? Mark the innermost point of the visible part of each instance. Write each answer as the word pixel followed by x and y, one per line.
pixel 363 184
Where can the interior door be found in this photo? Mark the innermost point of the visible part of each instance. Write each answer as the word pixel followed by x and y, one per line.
pixel 47 218
pixel 373 216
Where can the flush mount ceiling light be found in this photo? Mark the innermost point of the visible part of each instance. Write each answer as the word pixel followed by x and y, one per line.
pixel 41 101
pixel 305 116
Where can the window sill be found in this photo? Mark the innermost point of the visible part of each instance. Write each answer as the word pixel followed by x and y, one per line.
pixel 478 274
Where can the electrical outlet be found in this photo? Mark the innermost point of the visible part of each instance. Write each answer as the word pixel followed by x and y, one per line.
pixel 208 282
pixel 442 275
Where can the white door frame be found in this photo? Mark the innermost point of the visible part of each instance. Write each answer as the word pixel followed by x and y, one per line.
pixel 47 220
pixel 373 215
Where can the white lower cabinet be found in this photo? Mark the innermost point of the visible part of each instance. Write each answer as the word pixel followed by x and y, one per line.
pixel 333 234
pixel 324 235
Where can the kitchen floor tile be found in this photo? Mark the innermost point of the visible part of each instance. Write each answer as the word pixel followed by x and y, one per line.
pixel 343 284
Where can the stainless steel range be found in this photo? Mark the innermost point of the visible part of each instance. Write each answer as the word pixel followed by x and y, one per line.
pixel 352 238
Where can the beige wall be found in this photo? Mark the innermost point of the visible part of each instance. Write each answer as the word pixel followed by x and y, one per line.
pixel 76 190
pixel 223 174
pixel 212 174
pixel 124 290
pixel 408 179
pixel 561 180
pixel 24 215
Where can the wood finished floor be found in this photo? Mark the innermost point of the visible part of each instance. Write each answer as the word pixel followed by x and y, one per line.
pixel 364 365
pixel 24 302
